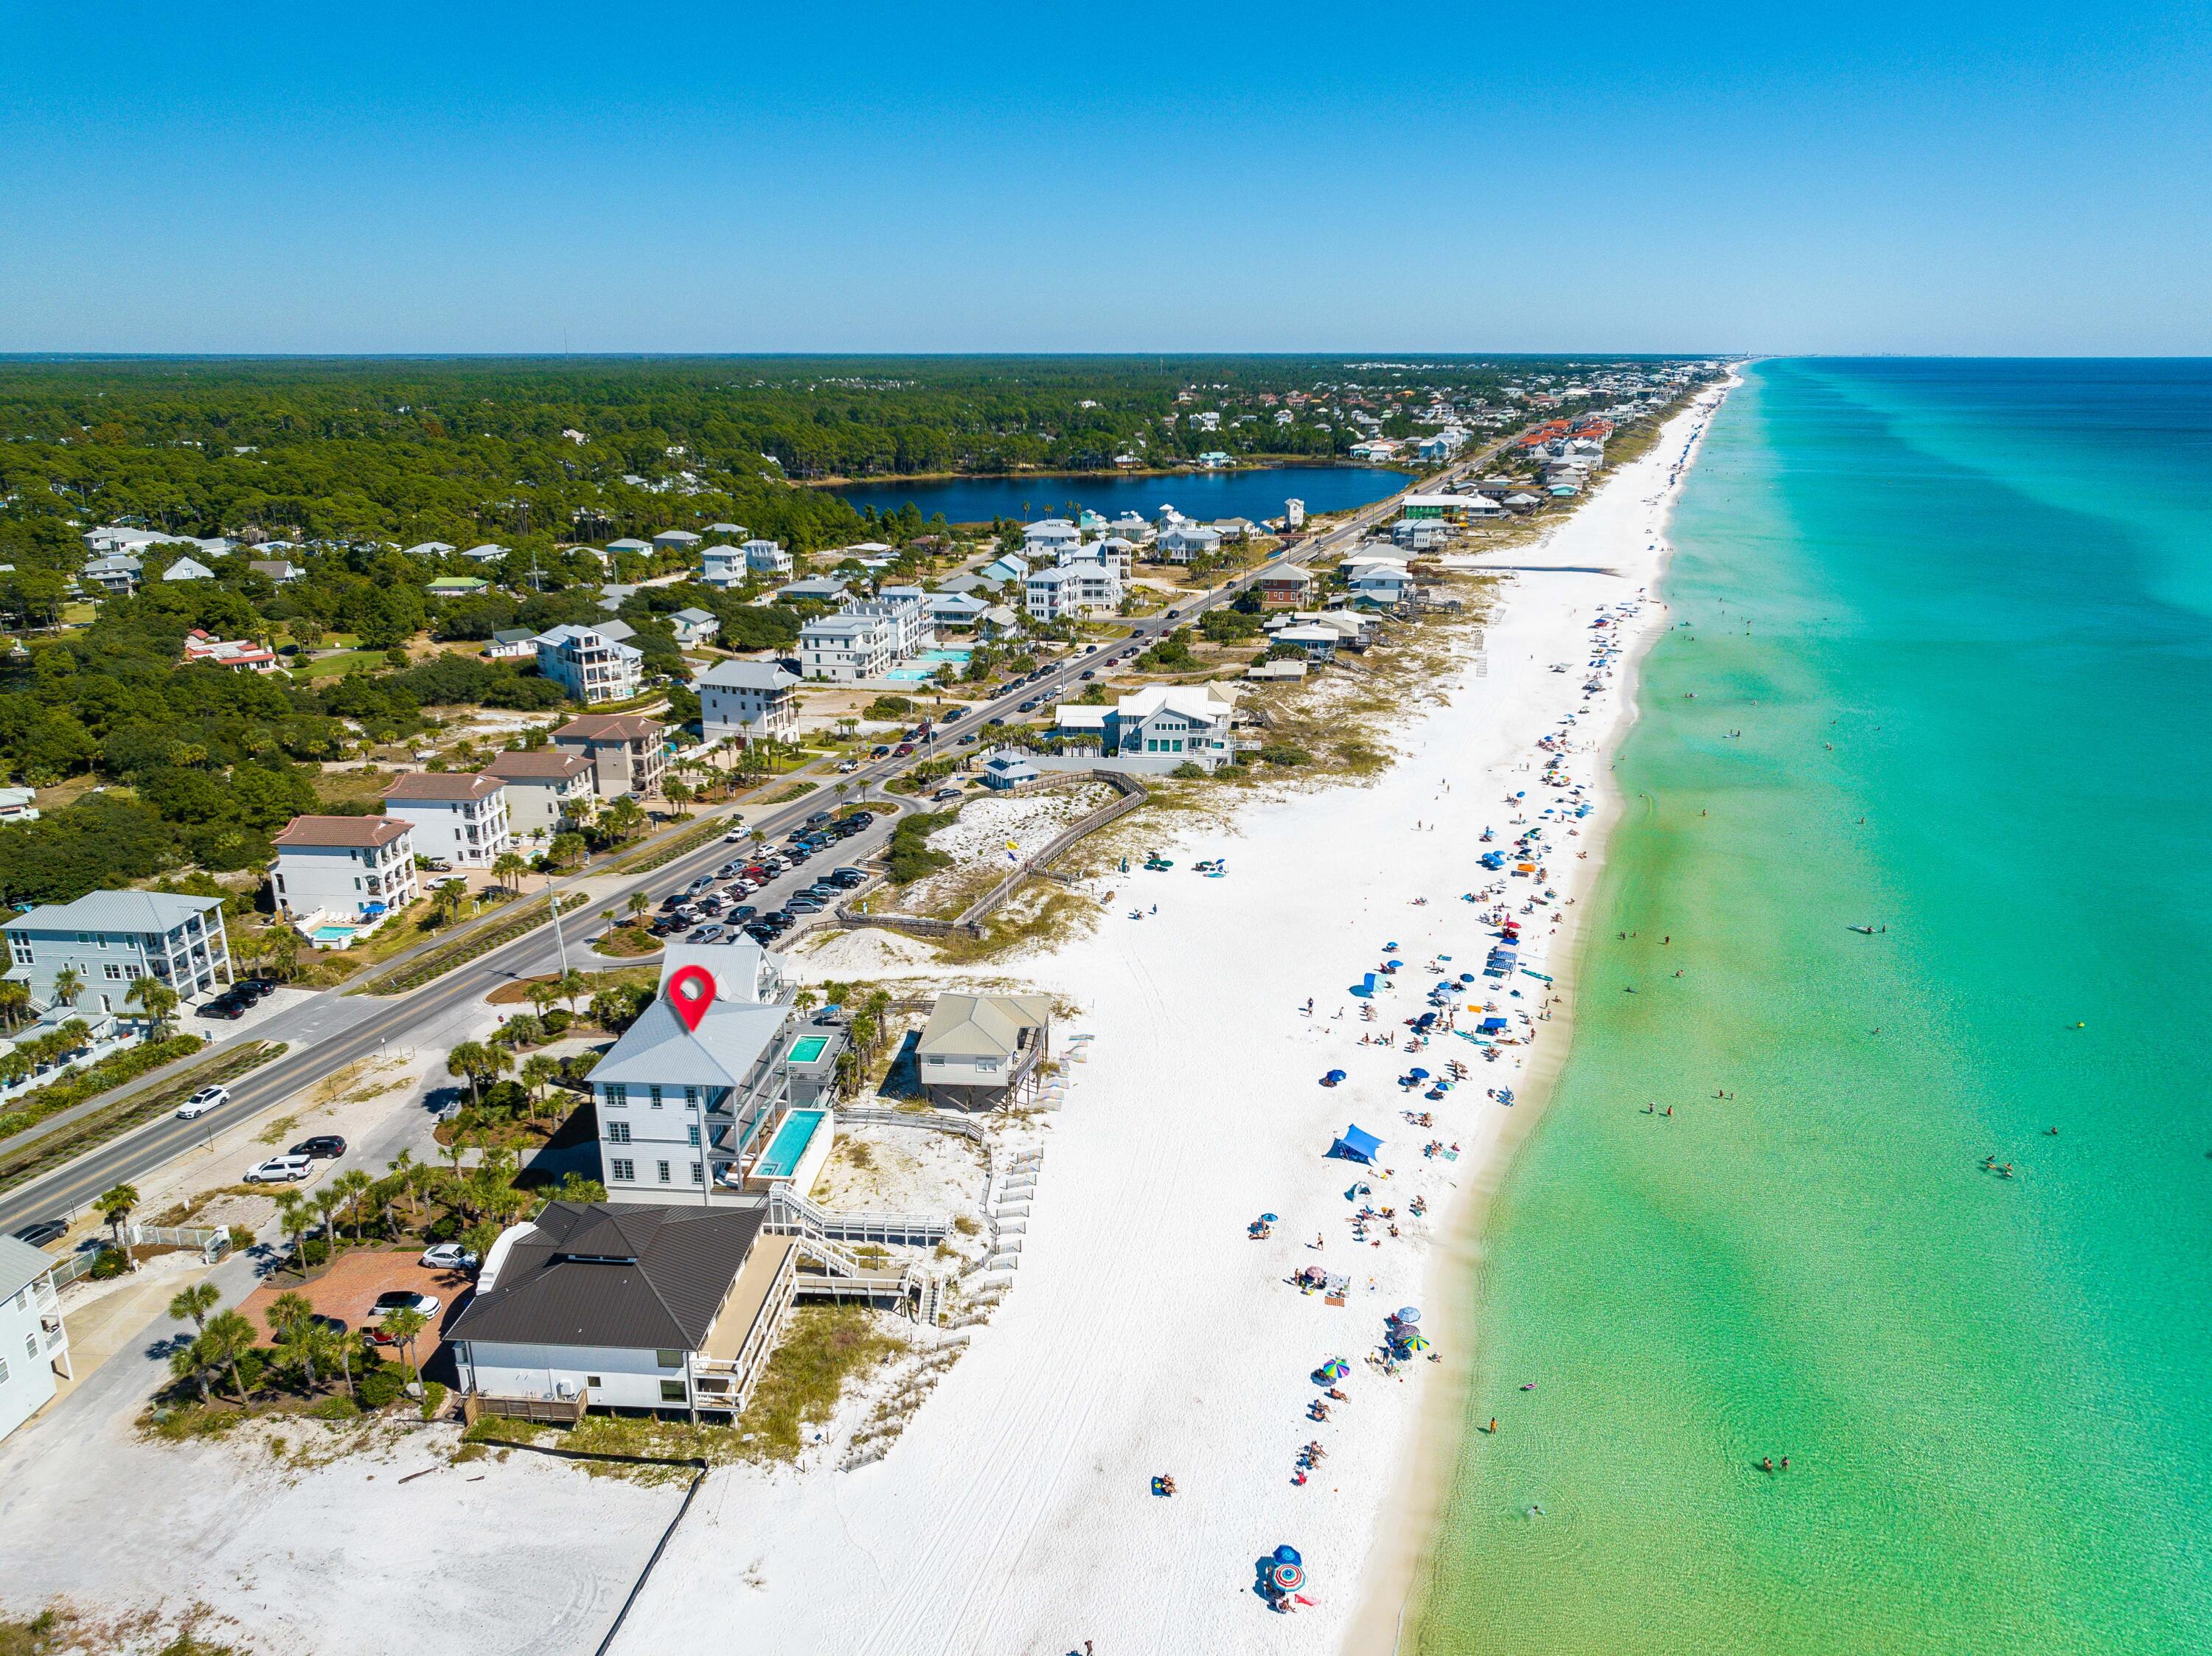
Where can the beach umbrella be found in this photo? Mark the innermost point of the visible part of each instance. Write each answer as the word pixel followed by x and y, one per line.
pixel 1414 1343
pixel 1409 1315
pixel 1266 1218
pixel 1419 1075
pixel 1335 1369
pixel 1287 1577
pixel 1287 1554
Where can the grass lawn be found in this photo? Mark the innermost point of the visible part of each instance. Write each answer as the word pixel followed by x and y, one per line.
pixel 335 666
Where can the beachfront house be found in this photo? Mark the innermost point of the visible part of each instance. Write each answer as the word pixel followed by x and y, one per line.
pixel 955 610
pixel 1006 771
pixel 110 939
pixel 33 1340
pixel 1318 642
pixel 845 648
pixel 356 868
pixel 747 701
pixel 619 1305
pixel 696 1112
pixel 1420 534
pixel 628 752
pixel 1384 585
pixel 549 791
pixel 1167 724
pixel 981 1051
pixel 766 557
pixel 590 666
pixel 459 817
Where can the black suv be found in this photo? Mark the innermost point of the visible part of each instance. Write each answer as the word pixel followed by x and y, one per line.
pixel 324 1146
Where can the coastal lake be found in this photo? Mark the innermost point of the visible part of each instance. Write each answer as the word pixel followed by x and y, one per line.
pixel 1257 493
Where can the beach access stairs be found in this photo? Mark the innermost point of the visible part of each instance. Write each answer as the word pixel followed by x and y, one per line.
pixel 824 1236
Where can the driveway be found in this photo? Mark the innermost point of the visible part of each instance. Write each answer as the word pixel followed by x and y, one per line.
pixel 349 1288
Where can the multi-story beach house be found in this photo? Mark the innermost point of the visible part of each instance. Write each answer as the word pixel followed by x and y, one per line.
pixel 459 817
pixel 1283 587
pixel 700 1105
pixel 628 752
pixel 1072 590
pixel 1167 724
pixel 1185 542
pixel 110 939
pixel 589 666
pixel 848 646
pixel 548 790
pixel 1049 537
pixel 357 868
pixel 747 701
pixel 33 1340
pixel 766 557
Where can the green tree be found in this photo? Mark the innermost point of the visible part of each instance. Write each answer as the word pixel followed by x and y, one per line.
pixel 68 983
pixel 156 1000
pixel 115 1205
pixel 405 1325
pixel 508 869
pixel 193 1305
pixel 229 1336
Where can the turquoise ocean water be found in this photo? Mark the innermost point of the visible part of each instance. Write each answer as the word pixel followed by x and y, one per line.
pixel 1959 613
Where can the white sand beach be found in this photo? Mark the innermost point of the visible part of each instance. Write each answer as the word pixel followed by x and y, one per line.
pixel 1145 1333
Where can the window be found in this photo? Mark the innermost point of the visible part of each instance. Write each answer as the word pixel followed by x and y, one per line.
pixel 593 1381
pixel 21 948
pixel 673 1392
pixel 624 1169
pixel 691 1103
pixel 669 1359
pixel 663 1167
pixel 113 971
pixel 4 1371
pixel 617 1094
pixel 698 1174
pixel 617 1132
pixel 656 1097
pixel 31 1347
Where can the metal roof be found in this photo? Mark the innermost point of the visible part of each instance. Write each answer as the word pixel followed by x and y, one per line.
pixel 21 1264
pixel 627 1275
pixel 745 676
pixel 963 1026
pixel 114 911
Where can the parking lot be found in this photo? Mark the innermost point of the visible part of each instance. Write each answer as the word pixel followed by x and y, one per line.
pixel 349 1288
pixel 791 869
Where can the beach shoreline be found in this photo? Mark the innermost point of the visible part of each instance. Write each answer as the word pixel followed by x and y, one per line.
pixel 1406 1533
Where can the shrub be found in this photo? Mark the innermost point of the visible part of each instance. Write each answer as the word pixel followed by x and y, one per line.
pixel 381 1386
pixel 910 857
pixel 336 1406
pixel 1282 753
pixel 557 1022
pixel 109 1264
pixel 240 1239
pixel 1188 771
pixel 433 1399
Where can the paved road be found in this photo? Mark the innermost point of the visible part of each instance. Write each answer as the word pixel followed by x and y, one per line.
pixel 335 1029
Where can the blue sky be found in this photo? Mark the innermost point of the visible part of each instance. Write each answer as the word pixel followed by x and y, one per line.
pixel 1970 177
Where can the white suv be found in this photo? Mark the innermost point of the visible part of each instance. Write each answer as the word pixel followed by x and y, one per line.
pixel 281 1169
pixel 201 1102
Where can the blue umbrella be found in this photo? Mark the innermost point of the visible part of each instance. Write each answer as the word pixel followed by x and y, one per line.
pixel 1267 1218
pixel 1422 1075
pixel 1407 1313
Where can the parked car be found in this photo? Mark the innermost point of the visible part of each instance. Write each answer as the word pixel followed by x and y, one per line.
pixel 805 905
pixel 226 1007
pixel 436 864
pixel 399 1299
pixel 847 766
pixel 711 903
pixel 323 1147
pixel 705 934
pixel 882 751
pixel 743 911
pixel 730 870
pixel 818 818
pixel 253 988
pixel 667 925
pixel 39 1232
pixel 736 834
pixel 704 882
pixel 675 900
pixel 904 750
pixel 208 1098
pixel 281 1170
pixel 853 875
pixel 449 1256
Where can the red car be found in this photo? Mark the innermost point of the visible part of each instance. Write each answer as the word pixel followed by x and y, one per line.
pixel 904 748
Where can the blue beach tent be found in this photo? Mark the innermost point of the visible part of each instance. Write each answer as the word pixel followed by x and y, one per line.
pixel 1354 1143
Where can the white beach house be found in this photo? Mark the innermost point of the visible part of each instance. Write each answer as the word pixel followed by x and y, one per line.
pixel 458 816
pixel 590 666
pixel 33 1340
pixel 356 868
pixel 747 701
pixel 548 790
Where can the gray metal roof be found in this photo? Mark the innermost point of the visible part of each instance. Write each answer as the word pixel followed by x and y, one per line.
pixel 629 1275
pixel 658 1049
pixel 114 911
pixel 971 1026
pixel 745 676
pixel 21 1264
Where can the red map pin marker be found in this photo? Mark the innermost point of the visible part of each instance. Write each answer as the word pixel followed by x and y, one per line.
pixel 691 992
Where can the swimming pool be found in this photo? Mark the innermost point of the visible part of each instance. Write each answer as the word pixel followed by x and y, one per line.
pixel 806 1049
pixel 781 1158
pixel 335 934
pixel 928 663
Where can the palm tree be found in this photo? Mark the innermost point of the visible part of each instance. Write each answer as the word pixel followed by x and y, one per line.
pixel 507 868
pixel 352 1184
pixel 193 1305
pixel 446 898
pixel 68 983
pixel 292 1211
pixel 570 984
pixel 195 1362
pixel 479 1063
pixel 607 922
pixel 156 1000
pixel 229 1337
pixel 537 1074
pixel 14 999
pixel 543 995
pixel 292 1321
pixel 115 1207
pixel 624 817
pixel 564 849
pixel 639 905
pixel 326 1205
pixel 403 1325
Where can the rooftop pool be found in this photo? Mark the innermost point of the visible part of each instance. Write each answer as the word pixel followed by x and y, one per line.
pixel 806 1049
